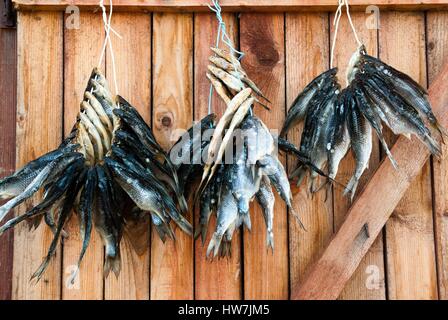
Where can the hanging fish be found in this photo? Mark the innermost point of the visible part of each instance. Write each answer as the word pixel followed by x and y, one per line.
pixel 110 159
pixel 338 120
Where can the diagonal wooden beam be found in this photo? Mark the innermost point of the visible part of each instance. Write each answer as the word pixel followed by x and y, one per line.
pixel 231 5
pixel 365 219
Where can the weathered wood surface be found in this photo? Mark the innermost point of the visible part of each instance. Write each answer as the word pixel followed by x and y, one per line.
pixel 409 231
pixel 368 281
pixel 177 95
pixel 133 68
pixel 82 47
pixel 172 262
pixel 262 41
pixel 220 278
pixel 307 55
pixel 437 46
pixel 39 130
pixel 8 84
pixel 232 5
pixel 370 212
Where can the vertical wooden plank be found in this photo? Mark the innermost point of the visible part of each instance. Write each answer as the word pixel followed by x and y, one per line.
pixel 220 278
pixel 367 282
pixel 411 269
pixel 39 130
pixel 82 48
pixel 133 69
pixel 172 262
pixel 8 82
pixel 307 55
pixel 437 45
pixel 262 39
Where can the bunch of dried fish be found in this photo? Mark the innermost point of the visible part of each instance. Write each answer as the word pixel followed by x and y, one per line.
pixel 109 163
pixel 337 120
pixel 239 162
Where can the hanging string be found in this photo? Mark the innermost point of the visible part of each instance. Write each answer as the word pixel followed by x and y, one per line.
pixel 337 18
pixel 107 25
pixel 347 6
pixel 224 37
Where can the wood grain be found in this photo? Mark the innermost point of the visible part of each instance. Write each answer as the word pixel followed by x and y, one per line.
pixel 39 130
pixel 133 69
pixel 411 269
pixel 82 48
pixel 220 278
pixel 172 262
pixel 232 5
pixel 367 283
pixel 8 85
pixel 370 212
pixel 307 55
pixel 437 46
pixel 262 40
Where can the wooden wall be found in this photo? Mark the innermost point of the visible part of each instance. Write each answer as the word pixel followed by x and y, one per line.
pixel 161 64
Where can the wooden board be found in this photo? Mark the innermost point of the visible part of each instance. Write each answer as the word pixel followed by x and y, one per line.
pixel 8 83
pixel 39 130
pixel 365 219
pixel 437 46
pixel 262 41
pixel 409 232
pixel 368 281
pixel 232 5
pixel 133 68
pixel 220 278
pixel 172 262
pixel 307 55
pixel 82 47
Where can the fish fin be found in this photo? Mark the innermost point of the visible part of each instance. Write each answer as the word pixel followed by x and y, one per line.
pixel 297 217
pixel 214 245
pixel 388 153
pixel 351 187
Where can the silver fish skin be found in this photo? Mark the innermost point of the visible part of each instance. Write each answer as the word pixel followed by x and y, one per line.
pixel 371 116
pixel 15 184
pixel 146 197
pixel 338 141
pixel 266 199
pixel 226 216
pixel 47 174
pixel 183 150
pixel 244 183
pixel 404 118
pixel 300 105
pixel 360 133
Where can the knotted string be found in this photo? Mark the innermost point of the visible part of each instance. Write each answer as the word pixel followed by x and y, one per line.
pixel 107 25
pixel 224 37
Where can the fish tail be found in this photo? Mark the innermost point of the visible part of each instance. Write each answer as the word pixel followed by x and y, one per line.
pixel 214 244
pixel 270 239
pixel 351 187
pixel 112 263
